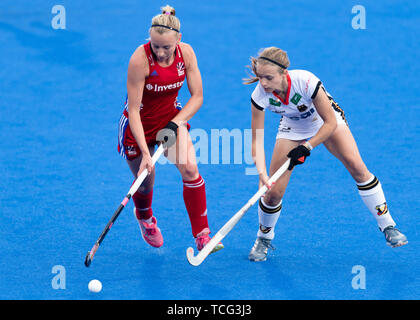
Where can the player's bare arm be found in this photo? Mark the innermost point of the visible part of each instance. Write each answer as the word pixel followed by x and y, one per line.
pixel 195 85
pixel 323 107
pixel 137 71
pixel 258 152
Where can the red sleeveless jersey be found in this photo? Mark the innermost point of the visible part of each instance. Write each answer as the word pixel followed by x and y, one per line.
pixel 160 92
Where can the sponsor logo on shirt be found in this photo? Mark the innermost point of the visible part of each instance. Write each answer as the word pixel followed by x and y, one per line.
pixel 164 88
pixel 276 110
pixel 304 115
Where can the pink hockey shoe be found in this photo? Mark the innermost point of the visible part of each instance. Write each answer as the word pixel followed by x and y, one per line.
pixel 150 232
pixel 203 238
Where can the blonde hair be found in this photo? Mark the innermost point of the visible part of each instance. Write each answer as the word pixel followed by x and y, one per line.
pixel 276 55
pixel 165 21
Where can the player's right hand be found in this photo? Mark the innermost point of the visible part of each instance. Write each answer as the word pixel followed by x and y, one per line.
pixel 298 155
pixel 264 180
pixel 146 163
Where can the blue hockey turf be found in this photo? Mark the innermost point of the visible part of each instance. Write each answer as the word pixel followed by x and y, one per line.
pixel 61 96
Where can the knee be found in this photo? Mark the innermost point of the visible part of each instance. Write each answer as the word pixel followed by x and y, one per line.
pixel 358 169
pixel 147 185
pixel 144 189
pixel 189 172
pixel 273 198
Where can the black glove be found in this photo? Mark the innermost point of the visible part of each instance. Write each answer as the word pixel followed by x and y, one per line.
pixel 167 136
pixel 298 155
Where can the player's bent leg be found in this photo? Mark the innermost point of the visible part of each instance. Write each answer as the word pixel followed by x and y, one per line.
pixel 343 146
pixel 142 199
pixel 270 205
pixel 194 190
pixel 267 217
pixel 150 231
pixel 281 148
pixel 134 165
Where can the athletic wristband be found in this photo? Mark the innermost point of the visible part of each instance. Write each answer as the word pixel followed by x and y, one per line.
pixel 308 145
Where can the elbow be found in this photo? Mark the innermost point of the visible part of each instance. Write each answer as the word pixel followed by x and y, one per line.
pixel 331 125
pixel 133 113
pixel 254 151
pixel 330 122
pixel 199 98
pixel 334 125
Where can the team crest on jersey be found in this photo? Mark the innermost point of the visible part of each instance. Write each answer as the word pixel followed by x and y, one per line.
pixel 275 102
pixel 296 98
pixel 382 209
pixel 302 108
pixel 180 67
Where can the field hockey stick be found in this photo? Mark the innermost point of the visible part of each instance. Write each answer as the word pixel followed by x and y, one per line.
pixel 133 189
pixel 199 258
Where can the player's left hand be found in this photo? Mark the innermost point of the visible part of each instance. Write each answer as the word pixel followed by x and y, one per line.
pixel 298 155
pixel 167 136
pixel 264 180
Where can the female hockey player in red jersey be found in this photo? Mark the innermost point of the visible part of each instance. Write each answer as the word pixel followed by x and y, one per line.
pixel 310 116
pixel 156 72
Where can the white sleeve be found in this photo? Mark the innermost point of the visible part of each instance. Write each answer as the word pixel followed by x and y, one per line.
pixel 310 84
pixel 258 98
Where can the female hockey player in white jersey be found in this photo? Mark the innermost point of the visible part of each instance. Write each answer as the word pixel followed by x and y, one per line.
pixel 310 117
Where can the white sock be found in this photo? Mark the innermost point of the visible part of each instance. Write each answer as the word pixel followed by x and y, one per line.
pixel 148 221
pixel 267 216
pixel 373 196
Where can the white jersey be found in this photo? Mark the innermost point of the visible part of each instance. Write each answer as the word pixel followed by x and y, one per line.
pixel 300 120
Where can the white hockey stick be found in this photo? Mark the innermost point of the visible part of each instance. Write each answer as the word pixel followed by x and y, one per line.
pixel 144 173
pixel 199 258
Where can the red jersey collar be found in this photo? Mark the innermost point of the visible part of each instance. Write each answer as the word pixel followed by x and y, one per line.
pixel 289 82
